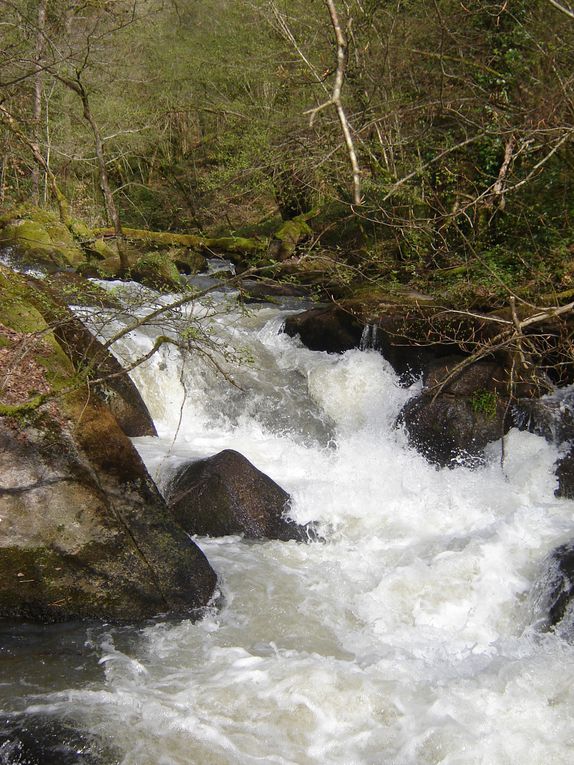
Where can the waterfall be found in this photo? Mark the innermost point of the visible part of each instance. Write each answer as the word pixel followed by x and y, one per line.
pixel 407 636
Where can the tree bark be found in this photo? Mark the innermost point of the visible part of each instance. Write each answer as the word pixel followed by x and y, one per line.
pixel 112 211
pixel 38 93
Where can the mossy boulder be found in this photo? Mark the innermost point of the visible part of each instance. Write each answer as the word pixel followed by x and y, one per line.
pixel 35 238
pixel 286 239
pixel 458 412
pixel 99 249
pixel 187 261
pixel 84 531
pixel 158 271
pixel 29 305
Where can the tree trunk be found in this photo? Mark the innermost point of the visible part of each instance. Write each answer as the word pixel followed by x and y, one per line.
pixel 38 92
pixel 112 211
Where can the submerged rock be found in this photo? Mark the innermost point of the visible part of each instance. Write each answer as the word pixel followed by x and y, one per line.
pixel 34 739
pixel 226 494
pixel 452 424
pixel 565 475
pixel 325 329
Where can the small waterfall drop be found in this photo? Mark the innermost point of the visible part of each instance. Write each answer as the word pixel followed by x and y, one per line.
pixel 406 637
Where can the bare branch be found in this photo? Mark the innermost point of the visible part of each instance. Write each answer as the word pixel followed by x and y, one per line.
pixel 568 11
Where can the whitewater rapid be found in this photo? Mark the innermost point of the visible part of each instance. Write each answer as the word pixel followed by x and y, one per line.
pixel 407 637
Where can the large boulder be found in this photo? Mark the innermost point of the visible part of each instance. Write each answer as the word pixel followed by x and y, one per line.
pixel 158 271
pixel 35 238
pixel 84 531
pixel 325 329
pixel 226 494
pixel 453 419
pixel 551 416
pixel 22 294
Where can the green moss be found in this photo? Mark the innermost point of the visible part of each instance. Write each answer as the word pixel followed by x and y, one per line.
pixel 28 234
pixel 484 402
pixel 17 410
pixel 27 309
pixel 80 230
pixel 101 250
pixel 15 310
pixel 39 238
pixel 187 261
pixel 157 270
pixel 167 239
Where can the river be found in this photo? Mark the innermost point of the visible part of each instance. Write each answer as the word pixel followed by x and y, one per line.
pixel 408 636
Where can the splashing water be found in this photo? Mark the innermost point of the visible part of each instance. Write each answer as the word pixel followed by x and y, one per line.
pixel 406 638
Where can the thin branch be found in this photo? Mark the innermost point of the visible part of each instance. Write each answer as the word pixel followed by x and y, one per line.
pixel 563 8
pixel 335 100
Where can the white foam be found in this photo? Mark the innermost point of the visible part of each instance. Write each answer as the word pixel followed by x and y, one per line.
pixel 405 638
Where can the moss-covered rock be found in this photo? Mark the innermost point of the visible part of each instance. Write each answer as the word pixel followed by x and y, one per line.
pixel 158 271
pixel 99 249
pixel 84 531
pixel 36 238
pixel 30 305
pixel 287 237
pixel 187 261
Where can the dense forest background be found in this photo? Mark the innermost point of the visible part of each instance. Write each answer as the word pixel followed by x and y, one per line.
pixel 430 142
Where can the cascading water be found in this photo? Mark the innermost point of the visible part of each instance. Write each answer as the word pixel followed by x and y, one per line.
pixel 407 637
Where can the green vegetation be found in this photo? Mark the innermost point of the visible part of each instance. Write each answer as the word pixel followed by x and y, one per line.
pixel 216 140
pixel 484 402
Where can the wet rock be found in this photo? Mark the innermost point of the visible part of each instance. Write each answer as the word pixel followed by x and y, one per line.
pixel 551 416
pixel 325 329
pixel 255 291
pixel 452 425
pixel 558 580
pixel 84 531
pixel 226 494
pixel 403 345
pixel 44 740
pixel 565 474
